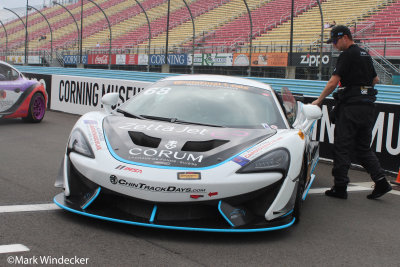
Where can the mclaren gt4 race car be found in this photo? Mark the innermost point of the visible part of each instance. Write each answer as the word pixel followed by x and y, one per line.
pixel 193 152
pixel 20 97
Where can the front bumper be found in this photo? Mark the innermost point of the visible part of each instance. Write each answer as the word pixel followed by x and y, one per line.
pixel 240 213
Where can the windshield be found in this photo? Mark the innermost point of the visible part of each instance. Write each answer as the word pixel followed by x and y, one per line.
pixel 209 103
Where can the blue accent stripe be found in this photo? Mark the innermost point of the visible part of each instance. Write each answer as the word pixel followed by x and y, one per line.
pixel 315 165
pixel 223 215
pixel 175 227
pixel 309 186
pixel 153 214
pixel 168 167
pixel 92 198
pixel 287 214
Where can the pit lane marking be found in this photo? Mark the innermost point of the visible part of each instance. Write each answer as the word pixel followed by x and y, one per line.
pixel 31 207
pixel 13 248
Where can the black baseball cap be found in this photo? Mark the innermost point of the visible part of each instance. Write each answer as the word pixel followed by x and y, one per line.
pixel 338 32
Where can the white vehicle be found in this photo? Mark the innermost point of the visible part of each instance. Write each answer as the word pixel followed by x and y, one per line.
pixel 193 152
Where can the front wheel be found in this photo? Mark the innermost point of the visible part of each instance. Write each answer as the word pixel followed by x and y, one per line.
pixel 37 109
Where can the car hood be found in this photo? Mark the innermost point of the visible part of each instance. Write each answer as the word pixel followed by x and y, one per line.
pixel 177 145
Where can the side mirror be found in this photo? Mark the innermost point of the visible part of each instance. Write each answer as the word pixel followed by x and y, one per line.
pixel 312 112
pixel 307 116
pixel 109 100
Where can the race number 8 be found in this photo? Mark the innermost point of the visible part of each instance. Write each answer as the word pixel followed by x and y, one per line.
pixel 158 91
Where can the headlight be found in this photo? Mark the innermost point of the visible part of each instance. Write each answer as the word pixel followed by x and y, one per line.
pixel 276 160
pixel 78 143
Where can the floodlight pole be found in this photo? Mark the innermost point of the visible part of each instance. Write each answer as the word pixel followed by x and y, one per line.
pixel 109 27
pixel 26 33
pixel 6 38
pixel 76 23
pixel 191 16
pixel 148 23
pixel 51 32
pixel 322 41
pixel 23 23
pixel 251 36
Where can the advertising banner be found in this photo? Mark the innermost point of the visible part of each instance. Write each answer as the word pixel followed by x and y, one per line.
pixel 98 59
pixel 173 59
pixel 385 134
pixel 73 59
pixel 143 59
pixel 79 95
pixel 211 59
pixel 311 59
pixel 43 79
pixel 34 60
pixel 118 59
pixel 131 59
pixel 261 59
pixel 17 60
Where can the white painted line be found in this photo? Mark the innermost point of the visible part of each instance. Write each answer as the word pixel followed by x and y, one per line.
pixel 355 187
pixel 33 207
pixel 13 248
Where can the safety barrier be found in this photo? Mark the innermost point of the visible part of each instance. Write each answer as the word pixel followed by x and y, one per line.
pixel 387 93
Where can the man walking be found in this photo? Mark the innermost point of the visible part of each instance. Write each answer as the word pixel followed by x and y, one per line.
pixel 354 113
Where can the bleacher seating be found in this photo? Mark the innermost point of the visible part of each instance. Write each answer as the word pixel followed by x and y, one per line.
pixel 217 23
pixel 268 15
pixel 307 26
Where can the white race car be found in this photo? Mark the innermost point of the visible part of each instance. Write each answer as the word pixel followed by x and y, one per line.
pixel 193 152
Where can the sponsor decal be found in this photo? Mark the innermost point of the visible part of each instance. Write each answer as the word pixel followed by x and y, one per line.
pixel 96 136
pixel 3 94
pixel 113 179
pixel 189 175
pixel 162 128
pixel 151 188
pixel 196 196
pixel 240 160
pixel 165 155
pixel 171 144
pixel 212 194
pixel 130 169
pixel 251 154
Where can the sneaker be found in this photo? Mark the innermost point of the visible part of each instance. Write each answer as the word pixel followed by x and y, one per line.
pixel 381 188
pixel 337 191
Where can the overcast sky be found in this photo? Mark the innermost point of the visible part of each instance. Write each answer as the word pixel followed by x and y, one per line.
pixel 20 3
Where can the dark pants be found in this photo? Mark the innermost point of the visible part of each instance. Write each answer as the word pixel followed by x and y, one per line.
pixel 353 132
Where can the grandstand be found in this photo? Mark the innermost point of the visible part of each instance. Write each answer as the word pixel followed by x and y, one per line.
pixel 218 23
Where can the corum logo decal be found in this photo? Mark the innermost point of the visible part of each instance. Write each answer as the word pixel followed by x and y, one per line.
pixel 113 179
pixel 171 144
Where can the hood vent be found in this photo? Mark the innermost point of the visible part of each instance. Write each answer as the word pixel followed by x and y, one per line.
pixel 141 139
pixel 203 146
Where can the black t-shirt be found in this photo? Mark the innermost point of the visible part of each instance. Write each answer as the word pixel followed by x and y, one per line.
pixel 355 67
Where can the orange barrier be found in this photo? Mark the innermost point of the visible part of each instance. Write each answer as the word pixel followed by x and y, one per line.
pixel 397 182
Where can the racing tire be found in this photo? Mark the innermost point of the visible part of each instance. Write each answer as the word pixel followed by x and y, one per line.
pixel 299 198
pixel 37 109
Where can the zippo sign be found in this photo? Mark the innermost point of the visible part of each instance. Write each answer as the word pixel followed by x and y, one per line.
pixel 79 95
pixel 310 59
